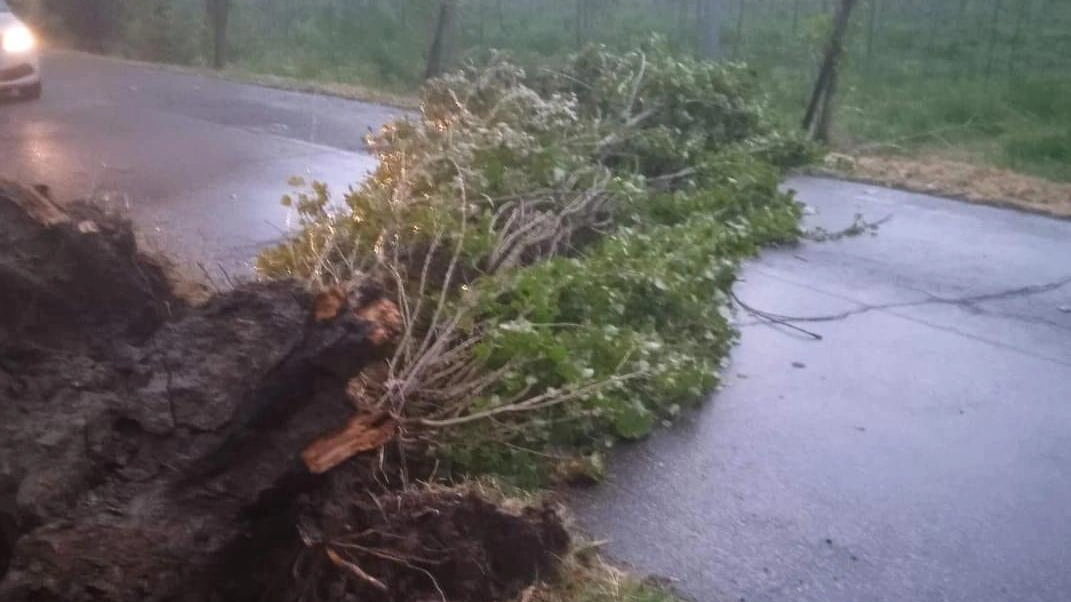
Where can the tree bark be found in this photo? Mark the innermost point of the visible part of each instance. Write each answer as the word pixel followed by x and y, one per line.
pixel 823 130
pixel 218 17
pixel 819 117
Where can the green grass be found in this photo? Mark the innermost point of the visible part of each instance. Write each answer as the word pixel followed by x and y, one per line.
pixel 951 86
pixel 926 79
pixel 587 578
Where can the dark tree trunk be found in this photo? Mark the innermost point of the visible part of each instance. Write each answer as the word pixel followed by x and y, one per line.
pixel 437 52
pixel 819 117
pixel 824 128
pixel 218 17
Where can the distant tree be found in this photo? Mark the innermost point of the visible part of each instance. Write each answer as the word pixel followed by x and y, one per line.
pixel 218 15
pixel 444 24
pixel 93 24
pixel 819 117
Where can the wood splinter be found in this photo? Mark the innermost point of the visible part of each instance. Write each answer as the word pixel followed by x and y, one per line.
pixel 363 433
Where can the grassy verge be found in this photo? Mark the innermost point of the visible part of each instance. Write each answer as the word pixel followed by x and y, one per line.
pixel 1018 126
pixel 939 175
pixel 588 578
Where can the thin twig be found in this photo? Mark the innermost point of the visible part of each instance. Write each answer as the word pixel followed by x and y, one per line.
pixel 785 321
pixel 540 402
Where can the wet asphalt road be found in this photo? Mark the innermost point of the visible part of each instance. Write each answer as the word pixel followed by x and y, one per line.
pixel 921 451
pixel 200 164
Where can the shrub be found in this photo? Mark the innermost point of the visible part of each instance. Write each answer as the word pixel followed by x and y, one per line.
pixel 561 246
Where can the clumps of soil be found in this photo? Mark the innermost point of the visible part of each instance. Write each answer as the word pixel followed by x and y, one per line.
pixel 73 272
pixel 151 450
pixel 429 544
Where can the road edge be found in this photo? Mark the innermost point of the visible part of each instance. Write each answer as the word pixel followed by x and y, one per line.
pixel 275 82
pixel 833 174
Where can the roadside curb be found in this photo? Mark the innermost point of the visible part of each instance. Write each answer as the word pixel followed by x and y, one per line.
pixel 996 203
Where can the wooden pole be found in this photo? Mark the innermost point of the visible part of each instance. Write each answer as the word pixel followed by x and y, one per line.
pixel 819 116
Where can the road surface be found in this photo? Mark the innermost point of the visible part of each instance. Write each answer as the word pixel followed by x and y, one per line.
pixel 921 451
pixel 199 163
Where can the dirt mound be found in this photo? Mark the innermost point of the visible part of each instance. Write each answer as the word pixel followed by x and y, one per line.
pixel 431 545
pixel 154 451
pixel 72 272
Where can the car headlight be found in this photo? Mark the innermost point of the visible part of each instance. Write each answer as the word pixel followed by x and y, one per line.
pixel 18 39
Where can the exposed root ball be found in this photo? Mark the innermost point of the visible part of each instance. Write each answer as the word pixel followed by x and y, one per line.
pixel 152 452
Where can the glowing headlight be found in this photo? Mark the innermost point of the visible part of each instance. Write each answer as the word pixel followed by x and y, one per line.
pixel 18 39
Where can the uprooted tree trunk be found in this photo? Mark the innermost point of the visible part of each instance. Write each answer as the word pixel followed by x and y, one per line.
pixel 154 450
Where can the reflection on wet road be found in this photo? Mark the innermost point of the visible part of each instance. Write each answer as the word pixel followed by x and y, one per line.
pixel 198 163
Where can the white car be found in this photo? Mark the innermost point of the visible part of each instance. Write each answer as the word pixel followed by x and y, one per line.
pixel 20 63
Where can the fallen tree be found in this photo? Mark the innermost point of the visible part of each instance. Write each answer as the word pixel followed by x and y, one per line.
pixel 539 267
pixel 560 244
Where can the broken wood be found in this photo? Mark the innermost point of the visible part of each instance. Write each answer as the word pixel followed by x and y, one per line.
pixel 363 433
pixel 35 202
pixel 328 304
pixel 385 317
